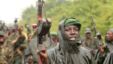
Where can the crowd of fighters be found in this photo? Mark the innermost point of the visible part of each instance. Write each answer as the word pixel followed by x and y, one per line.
pixel 19 45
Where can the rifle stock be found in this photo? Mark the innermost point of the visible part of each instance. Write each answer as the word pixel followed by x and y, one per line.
pixel 93 24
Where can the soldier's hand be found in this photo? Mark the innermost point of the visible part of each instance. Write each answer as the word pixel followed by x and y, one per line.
pixel 43 58
pixel 19 52
pixel 43 53
pixel 101 49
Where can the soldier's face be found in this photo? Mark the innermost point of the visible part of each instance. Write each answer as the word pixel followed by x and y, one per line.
pixel 109 36
pixel 54 39
pixel 2 39
pixel 71 32
pixel 88 35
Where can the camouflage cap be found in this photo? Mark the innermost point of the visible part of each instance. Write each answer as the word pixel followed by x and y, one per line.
pixel 1 33
pixel 53 33
pixel 111 30
pixel 88 30
pixel 98 33
pixel 72 21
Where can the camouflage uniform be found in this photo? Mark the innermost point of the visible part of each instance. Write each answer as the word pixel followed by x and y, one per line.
pixel 89 41
pixel 19 47
pixel 69 51
pixel 6 53
pixel 106 56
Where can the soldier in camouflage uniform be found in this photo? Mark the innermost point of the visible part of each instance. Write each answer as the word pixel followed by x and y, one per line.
pixel 54 39
pixel 69 50
pixel 19 45
pixel 6 52
pixel 89 41
pixel 105 54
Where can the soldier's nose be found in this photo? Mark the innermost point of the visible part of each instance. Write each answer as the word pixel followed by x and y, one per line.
pixel 72 31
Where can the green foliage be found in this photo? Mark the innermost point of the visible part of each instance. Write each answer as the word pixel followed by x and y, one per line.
pixel 100 10
pixel 29 15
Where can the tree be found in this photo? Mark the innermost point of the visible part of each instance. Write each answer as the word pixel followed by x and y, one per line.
pixel 101 10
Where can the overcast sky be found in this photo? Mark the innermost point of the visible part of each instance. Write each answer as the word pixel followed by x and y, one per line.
pixel 11 9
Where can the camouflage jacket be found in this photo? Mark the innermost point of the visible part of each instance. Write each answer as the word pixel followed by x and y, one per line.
pixel 6 55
